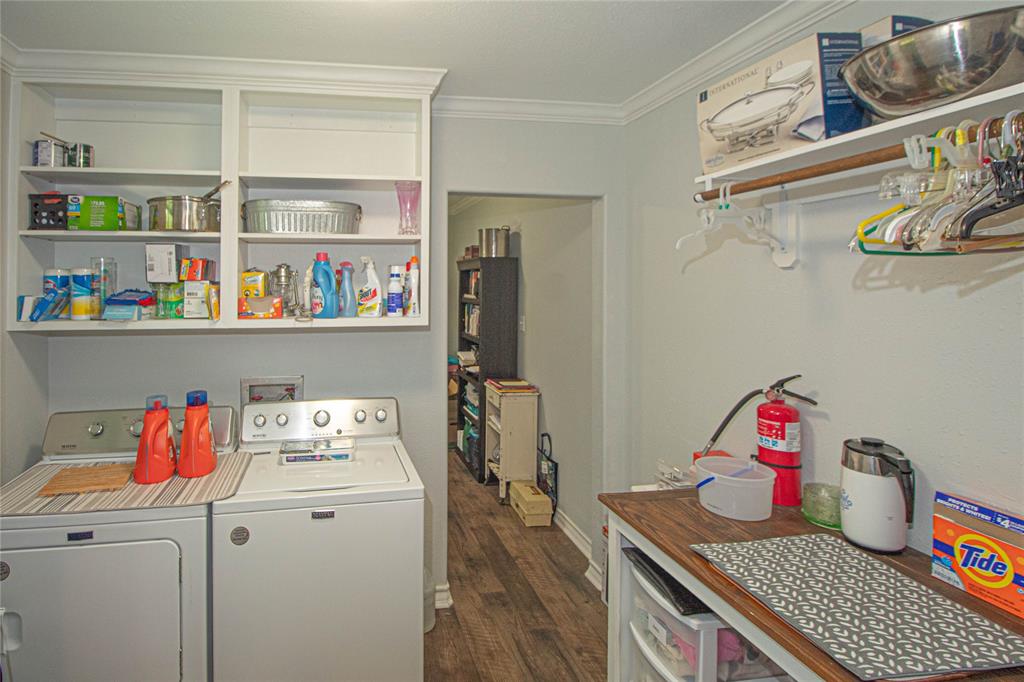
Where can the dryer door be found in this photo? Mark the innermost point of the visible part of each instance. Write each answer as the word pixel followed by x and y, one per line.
pixel 94 612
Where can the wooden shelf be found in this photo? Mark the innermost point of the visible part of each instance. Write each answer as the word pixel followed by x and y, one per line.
pixel 469 415
pixel 878 135
pixel 470 299
pixel 261 180
pixel 124 176
pixel 470 337
pixel 466 376
pixel 119 236
pixel 286 238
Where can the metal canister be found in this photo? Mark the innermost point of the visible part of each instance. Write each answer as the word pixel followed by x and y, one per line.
pixel 81 155
pixel 49 153
pixel 494 241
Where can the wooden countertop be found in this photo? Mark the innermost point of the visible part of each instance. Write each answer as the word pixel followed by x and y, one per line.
pixel 673 520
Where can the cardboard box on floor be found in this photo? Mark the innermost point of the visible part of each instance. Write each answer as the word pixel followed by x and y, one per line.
pixel 530 504
pixel 791 99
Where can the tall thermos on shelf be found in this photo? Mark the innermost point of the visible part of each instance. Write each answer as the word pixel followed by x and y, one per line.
pixel 155 458
pixel 198 457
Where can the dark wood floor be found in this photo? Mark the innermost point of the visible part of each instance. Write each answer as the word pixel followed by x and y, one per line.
pixel 523 610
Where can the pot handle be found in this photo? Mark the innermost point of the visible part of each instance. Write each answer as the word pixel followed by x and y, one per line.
pixel 209 195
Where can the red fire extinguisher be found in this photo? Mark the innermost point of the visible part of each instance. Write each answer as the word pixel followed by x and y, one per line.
pixel 778 437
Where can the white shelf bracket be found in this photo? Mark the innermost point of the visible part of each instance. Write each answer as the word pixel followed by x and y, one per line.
pixel 787 218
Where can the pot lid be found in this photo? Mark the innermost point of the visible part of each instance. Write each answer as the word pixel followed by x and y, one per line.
pixel 873 447
pixel 794 73
pixel 755 105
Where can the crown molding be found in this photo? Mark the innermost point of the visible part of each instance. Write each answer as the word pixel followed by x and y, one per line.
pixel 776 29
pixel 9 53
pixel 462 203
pixel 124 67
pixel 548 111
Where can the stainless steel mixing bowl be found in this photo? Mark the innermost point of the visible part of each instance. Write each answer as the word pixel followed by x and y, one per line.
pixel 940 64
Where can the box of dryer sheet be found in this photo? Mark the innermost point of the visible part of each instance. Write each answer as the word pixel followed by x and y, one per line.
pixel 791 99
pixel 980 550
pixel 888 28
pixel 102 213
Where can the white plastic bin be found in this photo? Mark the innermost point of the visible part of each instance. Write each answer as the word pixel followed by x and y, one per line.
pixel 735 488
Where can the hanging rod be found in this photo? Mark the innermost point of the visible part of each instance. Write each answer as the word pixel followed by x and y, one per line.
pixel 891 153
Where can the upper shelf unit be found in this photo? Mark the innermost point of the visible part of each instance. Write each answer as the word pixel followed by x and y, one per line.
pixel 292 137
pixel 878 135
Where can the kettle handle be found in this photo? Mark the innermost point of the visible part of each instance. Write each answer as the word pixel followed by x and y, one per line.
pixel 908 483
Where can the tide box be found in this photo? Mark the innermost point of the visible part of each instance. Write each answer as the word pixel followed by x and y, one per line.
pixel 979 550
pixel 791 99
pixel 87 212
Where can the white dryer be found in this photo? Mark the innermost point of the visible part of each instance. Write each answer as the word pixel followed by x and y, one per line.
pixel 105 595
pixel 318 559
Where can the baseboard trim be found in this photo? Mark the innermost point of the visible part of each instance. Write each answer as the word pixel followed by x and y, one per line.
pixel 443 596
pixel 594 573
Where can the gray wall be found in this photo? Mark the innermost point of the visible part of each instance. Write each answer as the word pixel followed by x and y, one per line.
pixel 925 353
pixel 553 239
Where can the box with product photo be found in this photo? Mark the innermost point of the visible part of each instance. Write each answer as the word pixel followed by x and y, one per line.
pixel 888 28
pixel 791 99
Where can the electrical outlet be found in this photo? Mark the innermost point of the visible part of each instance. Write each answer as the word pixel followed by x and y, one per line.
pixel 522 323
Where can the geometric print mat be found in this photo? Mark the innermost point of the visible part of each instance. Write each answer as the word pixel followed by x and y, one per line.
pixel 872 619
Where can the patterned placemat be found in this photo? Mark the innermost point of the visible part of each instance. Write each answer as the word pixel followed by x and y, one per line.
pixel 19 497
pixel 877 622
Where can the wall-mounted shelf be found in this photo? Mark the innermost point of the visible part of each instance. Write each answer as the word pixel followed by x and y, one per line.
pixel 119 236
pixel 285 238
pixel 124 176
pixel 92 327
pixel 322 181
pixel 879 135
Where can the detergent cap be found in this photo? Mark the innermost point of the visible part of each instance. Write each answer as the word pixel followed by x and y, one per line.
pixel 347 264
pixel 156 402
pixel 195 398
pixel 414 261
pixel 321 255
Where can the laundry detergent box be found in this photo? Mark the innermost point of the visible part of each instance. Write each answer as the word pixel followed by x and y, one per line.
pixel 87 212
pixel 980 550
pixel 789 100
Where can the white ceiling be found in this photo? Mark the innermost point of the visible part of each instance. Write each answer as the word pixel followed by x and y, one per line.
pixel 568 51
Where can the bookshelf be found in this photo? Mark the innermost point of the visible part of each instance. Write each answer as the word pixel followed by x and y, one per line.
pixel 488 304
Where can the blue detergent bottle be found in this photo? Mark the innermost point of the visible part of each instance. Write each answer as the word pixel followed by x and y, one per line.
pixel 323 294
pixel 348 292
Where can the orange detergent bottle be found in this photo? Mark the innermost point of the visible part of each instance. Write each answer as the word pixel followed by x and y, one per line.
pixel 156 457
pixel 197 454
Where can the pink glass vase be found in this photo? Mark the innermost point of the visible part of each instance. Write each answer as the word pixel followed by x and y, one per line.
pixel 408 206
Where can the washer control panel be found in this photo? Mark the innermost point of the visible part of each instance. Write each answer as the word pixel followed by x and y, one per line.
pixel 309 419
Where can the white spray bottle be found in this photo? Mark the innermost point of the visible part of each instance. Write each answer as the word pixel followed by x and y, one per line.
pixel 370 299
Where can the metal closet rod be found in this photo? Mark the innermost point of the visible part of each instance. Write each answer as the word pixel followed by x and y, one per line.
pixel 891 153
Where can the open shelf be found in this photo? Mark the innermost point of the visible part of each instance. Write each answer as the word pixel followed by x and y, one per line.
pixel 321 181
pixel 107 236
pixel 470 337
pixel 302 238
pixel 878 135
pixel 323 324
pixel 124 176
pixel 90 327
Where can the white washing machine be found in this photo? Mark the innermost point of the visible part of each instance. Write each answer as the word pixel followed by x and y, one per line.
pixel 318 559
pixel 107 595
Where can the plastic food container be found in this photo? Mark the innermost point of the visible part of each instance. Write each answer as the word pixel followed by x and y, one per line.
pixel 735 488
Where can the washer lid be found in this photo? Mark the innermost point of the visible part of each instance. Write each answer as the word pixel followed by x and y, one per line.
pixel 372 464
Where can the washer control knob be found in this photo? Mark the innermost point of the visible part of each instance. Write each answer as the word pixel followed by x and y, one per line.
pixel 95 429
pixel 136 428
pixel 259 421
pixel 360 416
pixel 282 419
pixel 321 418
pixel 381 414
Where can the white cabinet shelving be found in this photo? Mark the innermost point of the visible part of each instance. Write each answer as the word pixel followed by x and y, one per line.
pixel 343 141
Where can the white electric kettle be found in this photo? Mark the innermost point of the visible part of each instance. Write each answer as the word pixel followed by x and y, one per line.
pixel 877 498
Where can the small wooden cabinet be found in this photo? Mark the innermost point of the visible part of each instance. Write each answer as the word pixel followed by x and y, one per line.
pixel 511 426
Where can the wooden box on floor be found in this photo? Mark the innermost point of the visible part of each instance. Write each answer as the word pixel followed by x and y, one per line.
pixel 531 505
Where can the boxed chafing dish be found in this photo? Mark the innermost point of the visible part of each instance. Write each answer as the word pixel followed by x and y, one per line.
pixel 791 99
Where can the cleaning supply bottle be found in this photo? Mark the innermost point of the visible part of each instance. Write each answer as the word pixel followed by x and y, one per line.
pixel 396 292
pixel 370 302
pixel 323 296
pixel 198 457
pixel 412 287
pixel 155 458
pixel 347 291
